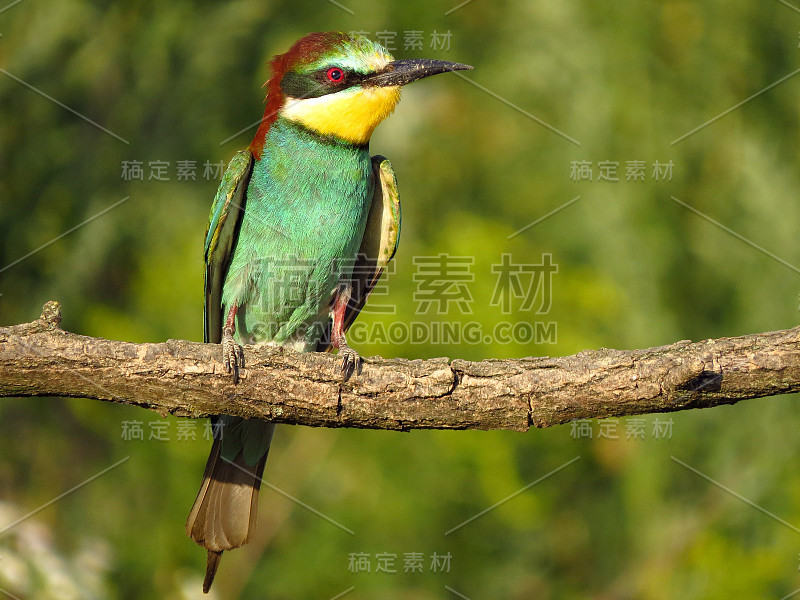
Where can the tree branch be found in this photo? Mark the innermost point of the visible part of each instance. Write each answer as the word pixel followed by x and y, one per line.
pixel 187 379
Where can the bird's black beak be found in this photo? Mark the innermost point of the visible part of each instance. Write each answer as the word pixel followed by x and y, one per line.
pixel 401 72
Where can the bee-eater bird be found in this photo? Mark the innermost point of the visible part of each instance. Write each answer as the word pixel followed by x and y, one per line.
pixel 302 226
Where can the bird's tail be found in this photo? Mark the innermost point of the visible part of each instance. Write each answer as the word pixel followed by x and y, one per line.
pixel 224 513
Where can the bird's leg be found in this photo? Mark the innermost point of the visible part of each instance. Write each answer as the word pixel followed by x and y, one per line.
pixel 232 354
pixel 351 361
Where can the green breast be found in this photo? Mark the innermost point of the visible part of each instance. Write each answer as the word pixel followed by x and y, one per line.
pixel 305 211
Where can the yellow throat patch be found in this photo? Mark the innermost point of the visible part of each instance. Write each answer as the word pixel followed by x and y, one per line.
pixel 351 115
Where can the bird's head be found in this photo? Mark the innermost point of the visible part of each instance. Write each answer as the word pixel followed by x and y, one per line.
pixel 340 85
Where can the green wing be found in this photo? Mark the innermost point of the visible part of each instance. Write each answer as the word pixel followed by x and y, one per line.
pixel 223 230
pixel 381 236
pixel 379 244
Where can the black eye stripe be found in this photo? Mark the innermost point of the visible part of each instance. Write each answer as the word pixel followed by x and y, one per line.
pixel 348 78
pixel 317 83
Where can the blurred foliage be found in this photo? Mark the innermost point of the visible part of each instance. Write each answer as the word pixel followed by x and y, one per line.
pixel 173 81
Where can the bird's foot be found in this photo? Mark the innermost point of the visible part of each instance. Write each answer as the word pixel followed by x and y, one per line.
pixel 232 355
pixel 351 361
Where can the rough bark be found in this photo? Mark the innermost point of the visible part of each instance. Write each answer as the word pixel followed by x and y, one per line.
pixel 187 379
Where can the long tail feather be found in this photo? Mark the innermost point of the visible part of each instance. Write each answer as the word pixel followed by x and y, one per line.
pixel 225 511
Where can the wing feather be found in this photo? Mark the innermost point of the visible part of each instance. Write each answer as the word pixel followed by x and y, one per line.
pixel 221 235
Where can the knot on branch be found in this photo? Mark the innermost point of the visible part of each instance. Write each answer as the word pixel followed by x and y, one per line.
pixel 706 381
pixel 51 314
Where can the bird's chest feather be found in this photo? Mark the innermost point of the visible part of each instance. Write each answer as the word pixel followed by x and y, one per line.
pixel 305 213
pixel 313 195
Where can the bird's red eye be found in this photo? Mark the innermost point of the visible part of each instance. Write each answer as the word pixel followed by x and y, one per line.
pixel 335 75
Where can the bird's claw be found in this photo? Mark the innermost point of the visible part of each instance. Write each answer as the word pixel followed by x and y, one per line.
pixel 351 361
pixel 232 356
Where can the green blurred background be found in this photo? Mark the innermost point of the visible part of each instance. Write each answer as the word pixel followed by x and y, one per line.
pixel 636 269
